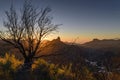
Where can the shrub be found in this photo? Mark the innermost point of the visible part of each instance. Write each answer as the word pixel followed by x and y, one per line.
pixel 52 71
pixel 8 65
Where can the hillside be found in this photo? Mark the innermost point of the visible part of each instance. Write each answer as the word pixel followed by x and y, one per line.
pixel 104 52
pixel 62 53
pixel 104 45
pixel 97 52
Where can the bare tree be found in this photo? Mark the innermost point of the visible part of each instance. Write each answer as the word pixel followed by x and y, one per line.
pixel 27 30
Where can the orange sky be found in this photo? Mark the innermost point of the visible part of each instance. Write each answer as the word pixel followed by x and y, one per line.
pixel 79 38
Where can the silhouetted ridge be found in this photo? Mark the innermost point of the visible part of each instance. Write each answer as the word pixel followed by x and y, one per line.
pixel 102 43
pixel 105 44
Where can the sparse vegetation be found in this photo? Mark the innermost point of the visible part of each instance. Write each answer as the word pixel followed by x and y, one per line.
pixel 42 70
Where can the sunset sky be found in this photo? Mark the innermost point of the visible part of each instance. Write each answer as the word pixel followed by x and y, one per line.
pixel 82 19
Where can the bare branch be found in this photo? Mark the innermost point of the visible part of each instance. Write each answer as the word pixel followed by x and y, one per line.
pixel 27 30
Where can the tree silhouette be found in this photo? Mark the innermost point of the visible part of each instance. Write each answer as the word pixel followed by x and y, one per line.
pixel 27 30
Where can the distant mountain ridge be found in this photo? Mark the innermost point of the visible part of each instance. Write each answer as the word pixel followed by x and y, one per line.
pixel 105 44
pixel 70 52
pixel 65 54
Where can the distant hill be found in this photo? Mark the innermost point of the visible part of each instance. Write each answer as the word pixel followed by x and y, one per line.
pixel 4 47
pixel 105 45
pixel 105 52
pixel 53 46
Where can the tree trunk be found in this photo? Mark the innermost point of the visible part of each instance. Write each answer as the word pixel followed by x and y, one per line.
pixel 27 63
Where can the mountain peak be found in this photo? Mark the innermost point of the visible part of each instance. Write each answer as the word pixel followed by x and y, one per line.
pixel 57 39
